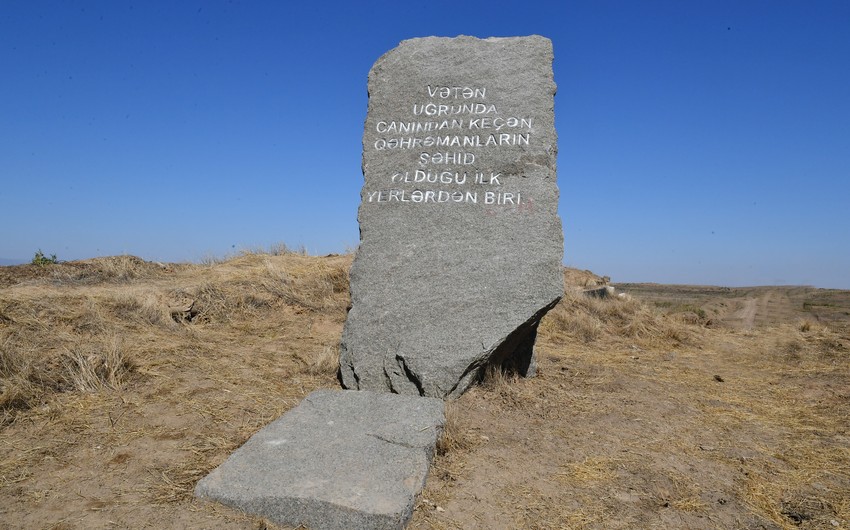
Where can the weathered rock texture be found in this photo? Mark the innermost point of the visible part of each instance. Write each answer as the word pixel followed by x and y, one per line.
pixel 339 460
pixel 461 243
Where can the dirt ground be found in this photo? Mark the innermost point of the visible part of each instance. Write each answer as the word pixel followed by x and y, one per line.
pixel 124 382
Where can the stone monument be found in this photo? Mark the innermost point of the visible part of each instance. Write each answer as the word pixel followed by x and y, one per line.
pixel 460 258
pixel 461 243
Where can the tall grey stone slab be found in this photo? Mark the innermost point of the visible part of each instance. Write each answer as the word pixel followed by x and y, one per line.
pixel 339 460
pixel 460 240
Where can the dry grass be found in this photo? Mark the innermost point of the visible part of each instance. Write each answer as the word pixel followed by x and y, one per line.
pixel 456 437
pixel 92 370
pixel 154 374
pixel 123 382
pixel 627 427
pixel 324 363
pixel 591 469
pixel 585 319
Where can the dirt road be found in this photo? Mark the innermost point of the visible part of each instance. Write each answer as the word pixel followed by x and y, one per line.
pixel 768 306
pixel 747 314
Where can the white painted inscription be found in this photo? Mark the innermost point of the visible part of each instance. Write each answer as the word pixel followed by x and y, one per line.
pixel 448 121
pixel 447 177
pixel 456 92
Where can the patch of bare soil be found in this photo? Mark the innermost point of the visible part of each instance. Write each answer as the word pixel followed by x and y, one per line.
pixel 124 382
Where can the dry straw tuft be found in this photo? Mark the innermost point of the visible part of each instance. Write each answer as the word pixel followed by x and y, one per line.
pixel 326 362
pixel 90 370
pixel 455 435
pixel 586 319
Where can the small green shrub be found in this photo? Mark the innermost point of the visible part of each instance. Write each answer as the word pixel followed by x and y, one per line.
pixel 41 259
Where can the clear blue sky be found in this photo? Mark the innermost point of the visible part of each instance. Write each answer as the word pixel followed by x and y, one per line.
pixel 700 141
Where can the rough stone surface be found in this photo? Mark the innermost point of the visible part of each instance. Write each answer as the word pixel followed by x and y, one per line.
pixel 600 292
pixel 339 460
pixel 461 243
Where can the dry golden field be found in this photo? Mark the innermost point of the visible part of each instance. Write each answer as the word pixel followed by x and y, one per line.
pixel 123 382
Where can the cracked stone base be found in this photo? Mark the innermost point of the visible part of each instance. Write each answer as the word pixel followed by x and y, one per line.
pixel 340 459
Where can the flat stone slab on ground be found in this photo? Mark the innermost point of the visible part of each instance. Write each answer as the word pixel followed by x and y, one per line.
pixel 339 460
